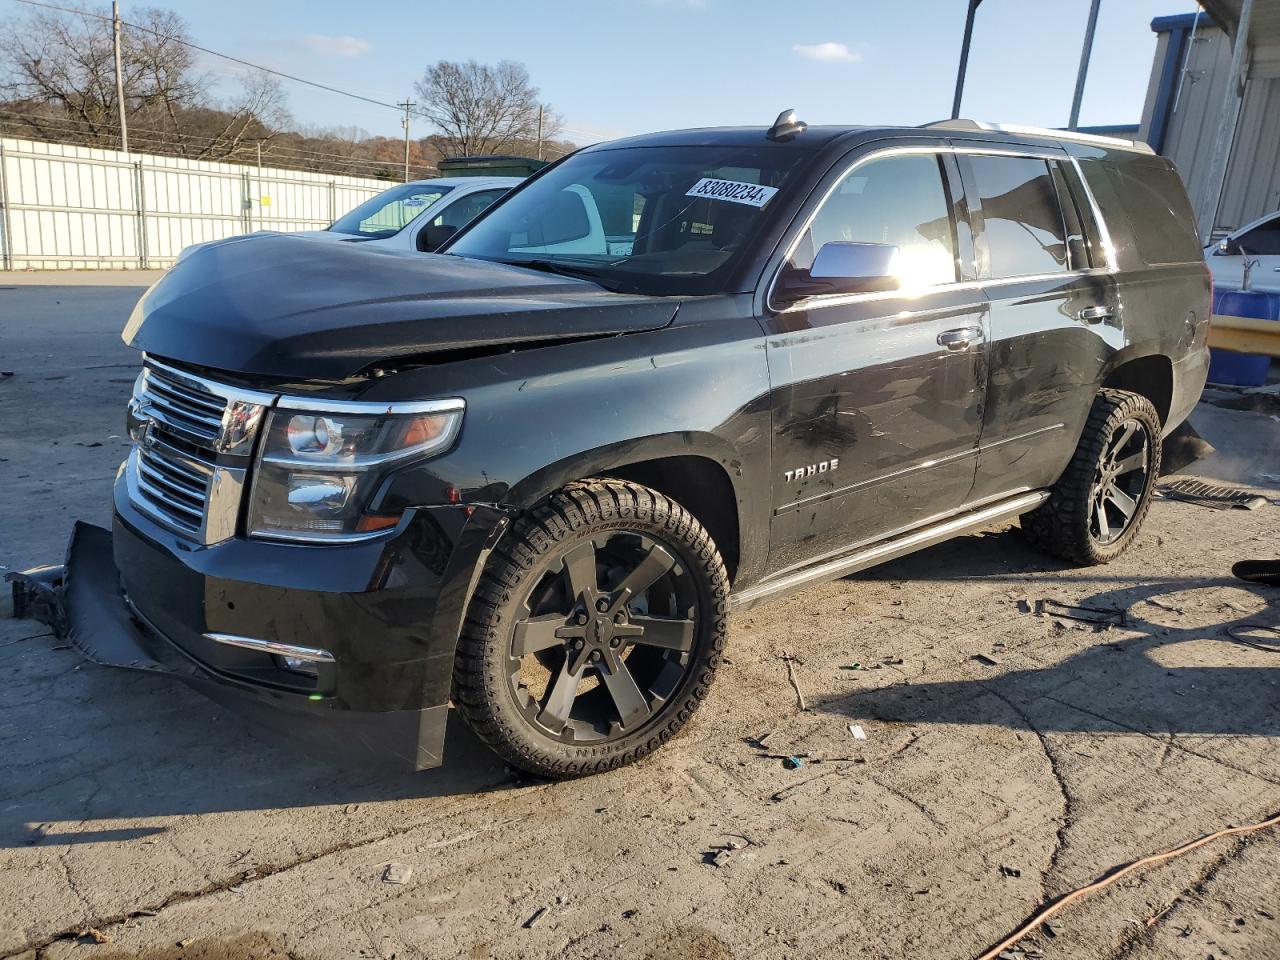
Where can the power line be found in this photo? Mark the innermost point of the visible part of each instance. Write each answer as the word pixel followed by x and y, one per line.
pixel 246 63
pixel 177 139
pixel 212 53
pixel 72 134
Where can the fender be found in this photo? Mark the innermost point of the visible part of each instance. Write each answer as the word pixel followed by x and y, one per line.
pixel 588 463
pixel 489 523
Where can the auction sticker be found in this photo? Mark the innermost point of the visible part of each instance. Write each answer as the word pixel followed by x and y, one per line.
pixel 752 194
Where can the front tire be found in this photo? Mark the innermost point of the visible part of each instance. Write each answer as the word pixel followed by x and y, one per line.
pixel 1097 506
pixel 595 630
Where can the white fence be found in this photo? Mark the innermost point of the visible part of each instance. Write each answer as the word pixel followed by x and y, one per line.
pixel 65 207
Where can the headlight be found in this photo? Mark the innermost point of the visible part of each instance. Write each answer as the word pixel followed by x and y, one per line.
pixel 321 463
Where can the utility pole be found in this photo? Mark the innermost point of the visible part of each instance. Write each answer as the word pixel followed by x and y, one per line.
pixel 407 106
pixel 1085 53
pixel 964 58
pixel 261 213
pixel 539 131
pixel 115 35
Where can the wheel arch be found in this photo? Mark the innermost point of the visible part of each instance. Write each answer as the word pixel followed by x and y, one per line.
pixel 698 470
pixel 1149 375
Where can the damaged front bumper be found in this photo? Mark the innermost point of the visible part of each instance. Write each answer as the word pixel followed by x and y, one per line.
pixel 382 620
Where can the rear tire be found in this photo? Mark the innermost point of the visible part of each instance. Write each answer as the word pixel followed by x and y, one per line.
pixel 1097 506
pixel 595 630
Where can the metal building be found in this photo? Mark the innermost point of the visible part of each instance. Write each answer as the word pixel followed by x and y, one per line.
pixel 1223 136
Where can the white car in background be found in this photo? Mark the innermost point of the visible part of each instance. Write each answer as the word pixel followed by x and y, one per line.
pixel 418 215
pixel 1256 244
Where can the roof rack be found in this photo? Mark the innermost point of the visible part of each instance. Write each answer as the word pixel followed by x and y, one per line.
pixel 1017 128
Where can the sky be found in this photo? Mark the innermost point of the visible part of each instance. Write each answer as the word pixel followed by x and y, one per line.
pixel 618 67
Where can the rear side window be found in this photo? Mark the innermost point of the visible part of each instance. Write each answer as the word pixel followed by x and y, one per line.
pixel 1022 222
pixel 1155 204
pixel 465 209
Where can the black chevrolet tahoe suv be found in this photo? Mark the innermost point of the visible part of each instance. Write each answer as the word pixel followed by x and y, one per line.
pixel 666 378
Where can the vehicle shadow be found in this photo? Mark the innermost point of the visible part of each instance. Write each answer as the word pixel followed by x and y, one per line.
pixel 1141 677
pixel 84 746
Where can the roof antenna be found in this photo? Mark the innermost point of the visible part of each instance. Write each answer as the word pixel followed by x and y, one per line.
pixel 786 126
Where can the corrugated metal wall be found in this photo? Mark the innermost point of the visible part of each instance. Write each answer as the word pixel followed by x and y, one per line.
pixel 1253 175
pixel 64 207
pixel 1253 178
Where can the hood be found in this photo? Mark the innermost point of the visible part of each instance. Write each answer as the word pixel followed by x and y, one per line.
pixel 284 306
pixel 333 236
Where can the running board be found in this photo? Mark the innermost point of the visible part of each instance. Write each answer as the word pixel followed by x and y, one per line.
pixel 888 550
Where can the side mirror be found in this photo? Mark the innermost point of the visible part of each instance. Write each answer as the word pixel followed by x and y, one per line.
pixel 1229 248
pixel 843 267
pixel 432 237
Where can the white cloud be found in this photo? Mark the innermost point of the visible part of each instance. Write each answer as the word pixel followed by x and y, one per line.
pixel 830 52
pixel 348 48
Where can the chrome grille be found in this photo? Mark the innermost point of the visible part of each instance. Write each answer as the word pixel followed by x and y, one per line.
pixel 176 486
pixel 193 440
pixel 182 404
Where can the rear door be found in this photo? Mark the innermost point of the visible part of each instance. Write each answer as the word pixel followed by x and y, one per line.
pixel 877 397
pixel 1055 313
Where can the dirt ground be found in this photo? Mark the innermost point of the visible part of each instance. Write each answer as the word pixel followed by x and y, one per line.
pixel 135 812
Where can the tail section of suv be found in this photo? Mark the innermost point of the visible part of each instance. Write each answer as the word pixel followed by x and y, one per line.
pixel 665 377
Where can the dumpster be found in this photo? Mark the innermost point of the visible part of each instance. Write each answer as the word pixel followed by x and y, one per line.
pixel 489 166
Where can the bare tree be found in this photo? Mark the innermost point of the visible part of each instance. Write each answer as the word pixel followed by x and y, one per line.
pixel 480 109
pixel 65 61
pixel 60 68
pixel 229 131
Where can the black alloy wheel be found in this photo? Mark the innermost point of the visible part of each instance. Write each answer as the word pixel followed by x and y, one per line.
pixel 1121 481
pixel 595 630
pixel 605 640
pixel 1096 508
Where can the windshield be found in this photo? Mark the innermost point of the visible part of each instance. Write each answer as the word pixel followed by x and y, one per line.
pixel 654 220
pixel 389 211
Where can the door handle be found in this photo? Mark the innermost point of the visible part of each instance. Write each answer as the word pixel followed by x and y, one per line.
pixel 959 338
pixel 1094 314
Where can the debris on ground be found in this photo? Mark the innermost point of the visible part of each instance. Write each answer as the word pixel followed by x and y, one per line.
pixel 793 763
pixel 1009 871
pixel 985 660
pixel 186 942
pixel 852 666
pixel 1260 636
pixel 397 873
pixel 1211 495
pixel 92 935
pixel 1100 618
pixel 857 731
pixel 791 675
pixel 535 919
pixel 721 858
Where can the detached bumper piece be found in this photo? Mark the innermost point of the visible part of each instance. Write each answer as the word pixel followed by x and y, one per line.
pixel 82 601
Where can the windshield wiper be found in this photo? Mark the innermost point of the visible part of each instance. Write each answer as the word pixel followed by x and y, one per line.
pixel 558 267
